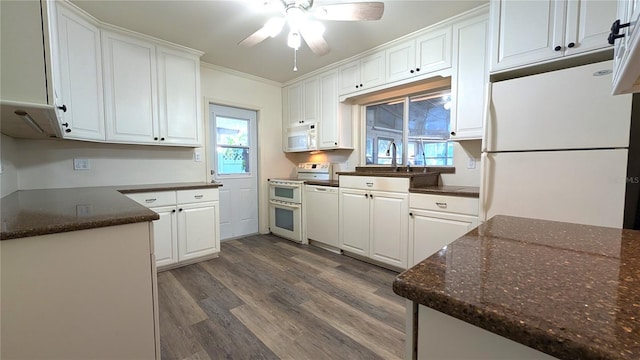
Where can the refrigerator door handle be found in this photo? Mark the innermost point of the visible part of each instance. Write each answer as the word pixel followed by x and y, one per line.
pixel 486 120
pixel 485 182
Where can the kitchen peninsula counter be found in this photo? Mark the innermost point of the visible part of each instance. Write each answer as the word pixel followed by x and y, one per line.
pixel 28 213
pixel 570 291
pixel 464 191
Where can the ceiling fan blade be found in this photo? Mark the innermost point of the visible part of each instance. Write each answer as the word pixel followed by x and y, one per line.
pixel 314 40
pixel 255 38
pixel 350 11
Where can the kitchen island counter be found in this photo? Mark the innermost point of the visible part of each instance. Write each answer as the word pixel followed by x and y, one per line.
pixel 464 191
pixel 28 213
pixel 570 291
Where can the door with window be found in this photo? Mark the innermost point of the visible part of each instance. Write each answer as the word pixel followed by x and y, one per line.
pixel 233 161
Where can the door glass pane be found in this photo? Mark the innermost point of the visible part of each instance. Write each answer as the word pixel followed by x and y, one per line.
pixel 384 124
pixel 232 139
pixel 284 219
pixel 286 193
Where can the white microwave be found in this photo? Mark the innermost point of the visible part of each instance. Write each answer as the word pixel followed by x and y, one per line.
pixel 302 137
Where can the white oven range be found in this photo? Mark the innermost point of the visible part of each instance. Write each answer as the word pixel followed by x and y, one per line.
pixel 286 197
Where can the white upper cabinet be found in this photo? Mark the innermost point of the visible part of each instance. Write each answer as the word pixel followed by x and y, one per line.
pixel 470 78
pixel 131 90
pixel 528 32
pixel 626 68
pixel 77 74
pixel 336 125
pixel 179 100
pixel 420 55
pixel 363 74
pixel 301 101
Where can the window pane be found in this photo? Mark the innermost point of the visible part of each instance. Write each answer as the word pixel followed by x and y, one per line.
pixel 233 160
pixel 384 124
pixel 429 116
pixel 232 131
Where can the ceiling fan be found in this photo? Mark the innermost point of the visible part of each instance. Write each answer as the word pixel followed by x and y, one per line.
pixel 302 18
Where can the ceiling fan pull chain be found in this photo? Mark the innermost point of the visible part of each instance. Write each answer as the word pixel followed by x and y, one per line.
pixel 295 59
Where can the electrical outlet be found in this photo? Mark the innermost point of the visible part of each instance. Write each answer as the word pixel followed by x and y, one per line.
pixel 81 164
pixel 471 163
pixel 1 167
pixel 197 156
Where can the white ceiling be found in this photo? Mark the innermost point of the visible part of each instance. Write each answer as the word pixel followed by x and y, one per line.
pixel 216 26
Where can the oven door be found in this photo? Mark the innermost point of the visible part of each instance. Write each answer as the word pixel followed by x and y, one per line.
pixel 285 192
pixel 285 219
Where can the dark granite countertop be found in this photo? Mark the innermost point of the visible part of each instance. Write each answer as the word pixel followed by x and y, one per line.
pixel 464 191
pixel 39 212
pixel 571 291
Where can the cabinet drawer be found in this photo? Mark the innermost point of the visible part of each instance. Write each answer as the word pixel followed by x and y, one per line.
pixel 154 199
pixel 375 183
pixel 198 195
pixel 452 204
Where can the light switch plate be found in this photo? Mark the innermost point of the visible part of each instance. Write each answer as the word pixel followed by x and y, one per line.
pixel 81 164
pixel 471 163
pixel 197 156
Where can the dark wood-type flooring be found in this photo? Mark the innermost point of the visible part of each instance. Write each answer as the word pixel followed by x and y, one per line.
pixel 269 298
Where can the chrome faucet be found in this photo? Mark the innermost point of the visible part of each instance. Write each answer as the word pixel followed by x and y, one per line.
pixel 394 163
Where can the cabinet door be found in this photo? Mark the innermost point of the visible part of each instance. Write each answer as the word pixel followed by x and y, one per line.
pixel 78 81
pixel 429 231
pixel 130 82
pixel 588 25
pixel 526 32
pixel 198 231
pixel 433 51
pixel 469 82
pixel 401 61
pixel 354 221
pixel 350 77
pixel 329 110
pixel 179 100
pixel 295 104
pixel 311 100
pixel 389 217
pixel 372 71
pixel 165 236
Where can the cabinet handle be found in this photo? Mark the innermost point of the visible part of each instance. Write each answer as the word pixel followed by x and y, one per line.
pixel 369 184
pixel 442 204
pixel 570 45
pixel 63 108
pixel 149 200
pixel 617 25
pixel 198 196
pixel 557 48
pixel 65 124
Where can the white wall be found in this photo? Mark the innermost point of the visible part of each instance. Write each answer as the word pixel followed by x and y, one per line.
pixel 226 87
pixel 462 151
pixel 8 156
pixel 49 164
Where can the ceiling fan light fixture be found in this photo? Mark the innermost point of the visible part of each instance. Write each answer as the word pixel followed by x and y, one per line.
pixel 274 26
pixel 293 40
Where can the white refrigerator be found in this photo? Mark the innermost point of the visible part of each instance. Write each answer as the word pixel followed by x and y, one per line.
pixel 555 147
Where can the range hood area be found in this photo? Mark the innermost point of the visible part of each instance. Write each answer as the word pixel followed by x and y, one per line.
pixel 28 121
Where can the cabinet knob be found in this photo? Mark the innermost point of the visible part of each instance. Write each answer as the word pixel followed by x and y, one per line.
pixel 155 138
pixel 357 86
pixel 616 26
pixel 417 69
pixel 371 196
pixel 63 108
pixel 174 210
pixel 360 85
pixel 411 214
pixel 335 143
pixel 612 38
pixel 453 133
pixel 570 45
pixel 366 195
pixel 411 71
pixel 67 130
pixel 557 48
pixel 180 209
pixel 161 139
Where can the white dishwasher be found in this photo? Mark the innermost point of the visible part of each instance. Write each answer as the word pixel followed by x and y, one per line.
pixel 321 204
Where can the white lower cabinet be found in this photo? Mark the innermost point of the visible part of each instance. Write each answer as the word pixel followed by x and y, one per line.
pixel 188 228
pixel 373 218
pixel 436 220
